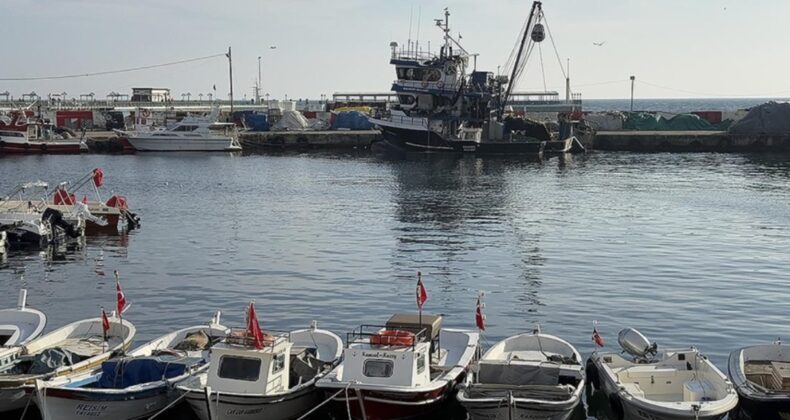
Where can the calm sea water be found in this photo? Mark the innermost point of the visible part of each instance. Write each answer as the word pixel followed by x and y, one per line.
pixel 688 248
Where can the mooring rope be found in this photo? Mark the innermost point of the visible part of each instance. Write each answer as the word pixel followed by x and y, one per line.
pixel 326 401
pixel 167 407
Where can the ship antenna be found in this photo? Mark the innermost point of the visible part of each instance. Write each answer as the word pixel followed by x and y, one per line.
pixel 419 16
pixel 411 14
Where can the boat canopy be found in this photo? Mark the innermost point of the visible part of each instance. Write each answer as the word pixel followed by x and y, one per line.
pixel 123 373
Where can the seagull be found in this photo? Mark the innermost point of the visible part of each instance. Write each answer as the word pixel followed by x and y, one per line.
pixel 599 44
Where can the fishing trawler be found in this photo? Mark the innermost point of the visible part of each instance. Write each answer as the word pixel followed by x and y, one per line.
pixel 443 107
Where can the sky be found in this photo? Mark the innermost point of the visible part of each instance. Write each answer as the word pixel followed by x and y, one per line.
pixel 675 48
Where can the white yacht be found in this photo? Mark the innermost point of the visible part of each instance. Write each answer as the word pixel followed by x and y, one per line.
pixel 192 134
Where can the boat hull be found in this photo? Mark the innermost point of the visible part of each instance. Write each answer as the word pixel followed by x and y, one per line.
pixel 61 404
pixel 500 410
pixel 13 399
pixel 169 144
pixel 42 147
pixel 426 141
pixel 392 405
pixel 276 407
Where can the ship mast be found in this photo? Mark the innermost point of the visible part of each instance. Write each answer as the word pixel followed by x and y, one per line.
pixel 512 82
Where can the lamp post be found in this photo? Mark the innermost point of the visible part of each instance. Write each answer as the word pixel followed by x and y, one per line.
pixel 258 85
pixel 200 95
pixel 633 78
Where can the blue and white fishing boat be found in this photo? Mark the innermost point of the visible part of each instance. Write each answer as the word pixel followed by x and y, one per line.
pixel 135 386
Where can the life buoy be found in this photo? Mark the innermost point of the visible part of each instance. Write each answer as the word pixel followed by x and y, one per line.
pixel 145 113
pixel 392 338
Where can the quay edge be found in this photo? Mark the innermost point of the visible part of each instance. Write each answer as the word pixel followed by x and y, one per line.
pixel 689 141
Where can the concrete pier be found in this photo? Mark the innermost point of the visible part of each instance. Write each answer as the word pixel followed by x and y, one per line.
pixel 288 140
pixel 688 141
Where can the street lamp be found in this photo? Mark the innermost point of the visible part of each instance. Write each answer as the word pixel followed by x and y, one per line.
pixel 200 95
pixel 189 96
pixel 258 85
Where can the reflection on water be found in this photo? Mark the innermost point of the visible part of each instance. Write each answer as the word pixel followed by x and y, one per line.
pixel 680 246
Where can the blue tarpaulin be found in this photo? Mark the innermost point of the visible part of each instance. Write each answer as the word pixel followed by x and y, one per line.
pixel 351 120
pixel 123 373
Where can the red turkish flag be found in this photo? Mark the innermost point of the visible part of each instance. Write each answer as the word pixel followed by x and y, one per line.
pixel 596 338
pixel 253 329
pixel 480 319
pixel 422 295
pixel 105 324
pixel 121 298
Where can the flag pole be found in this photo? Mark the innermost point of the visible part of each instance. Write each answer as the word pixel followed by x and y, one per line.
pixel 419 296
pixel 120 312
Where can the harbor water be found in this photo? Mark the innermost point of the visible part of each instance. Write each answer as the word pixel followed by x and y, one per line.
pixel 692 249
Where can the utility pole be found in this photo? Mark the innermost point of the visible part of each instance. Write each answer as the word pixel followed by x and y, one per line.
pixel 568 82
pixel 633 78
pixel 230 71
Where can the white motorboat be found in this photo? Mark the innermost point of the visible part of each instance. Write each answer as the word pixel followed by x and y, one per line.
pixel 527 376
pixel 30 220
pixel 135 386
pixel 274 382
pixel 673 385
pixel 191 134
pixel 71 349
pixel 406 368
pixel 19 326
pixel 761 376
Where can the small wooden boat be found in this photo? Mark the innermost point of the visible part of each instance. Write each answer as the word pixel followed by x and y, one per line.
pixel 137 385
pixel 527 376
pixel 275 382
pixel 761 376
pixel 21 325
pixel 30 222
pixel 674 384
pixel 71 349
pixel 406 368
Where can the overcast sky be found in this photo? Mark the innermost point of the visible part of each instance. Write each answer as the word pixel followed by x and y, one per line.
pixel 675 48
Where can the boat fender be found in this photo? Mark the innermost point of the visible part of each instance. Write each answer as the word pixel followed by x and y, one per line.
pixel 592 374
pixel 617 407
pixel 44 147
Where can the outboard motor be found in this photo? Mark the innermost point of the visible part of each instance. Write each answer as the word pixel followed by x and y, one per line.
pixel 636 344
pixel 55 220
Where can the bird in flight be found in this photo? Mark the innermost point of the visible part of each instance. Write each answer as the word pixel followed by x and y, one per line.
pixel 599 44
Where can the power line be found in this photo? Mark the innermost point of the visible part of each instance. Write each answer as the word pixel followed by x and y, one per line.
pixel 102 73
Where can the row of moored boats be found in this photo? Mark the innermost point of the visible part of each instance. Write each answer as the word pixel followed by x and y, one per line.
pixel 33 216
pixel 411 366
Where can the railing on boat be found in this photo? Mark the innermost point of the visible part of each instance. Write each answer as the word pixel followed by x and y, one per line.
pixel 242 337
pixel 366 331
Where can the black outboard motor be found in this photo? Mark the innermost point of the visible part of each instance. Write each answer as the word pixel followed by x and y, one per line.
pixel 55 220
pixel 132 219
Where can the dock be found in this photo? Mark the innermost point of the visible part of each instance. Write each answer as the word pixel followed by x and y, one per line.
pixel 688 141
pixel 300 140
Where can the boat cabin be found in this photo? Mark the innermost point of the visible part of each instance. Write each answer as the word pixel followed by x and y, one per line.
pixel 399 353
pixel 238 367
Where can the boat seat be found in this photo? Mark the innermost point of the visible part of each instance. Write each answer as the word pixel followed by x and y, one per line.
pixel 633 389
pixel 697 390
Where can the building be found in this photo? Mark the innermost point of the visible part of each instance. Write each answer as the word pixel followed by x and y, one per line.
pixel 150 95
